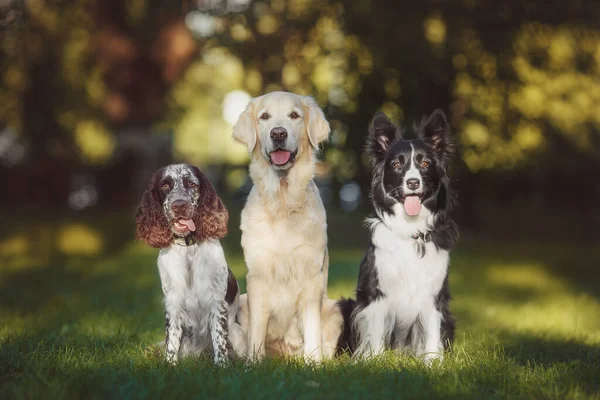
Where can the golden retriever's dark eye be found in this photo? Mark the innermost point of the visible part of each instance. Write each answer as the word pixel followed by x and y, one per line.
pixel 294 115
pixel 397 164
pixel 265 116
pixel 165 186
pixel 425 164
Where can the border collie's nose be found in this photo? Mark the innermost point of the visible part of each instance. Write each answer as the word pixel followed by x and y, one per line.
pixel 179 206
pixel 413 183
pixel 278 134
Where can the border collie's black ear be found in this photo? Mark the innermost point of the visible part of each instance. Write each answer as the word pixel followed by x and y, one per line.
pixel 382 134
pixel 435 131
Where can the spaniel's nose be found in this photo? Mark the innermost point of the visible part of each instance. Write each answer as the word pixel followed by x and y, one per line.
pixel 413 183
pixel 278 134
pixel 179 206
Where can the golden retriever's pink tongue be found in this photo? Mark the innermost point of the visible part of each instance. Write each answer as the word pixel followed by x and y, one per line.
pixel 280 157
pixel 189 223
pixel 412 205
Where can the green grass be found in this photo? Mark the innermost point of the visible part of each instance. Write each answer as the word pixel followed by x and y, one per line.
pixel 87 326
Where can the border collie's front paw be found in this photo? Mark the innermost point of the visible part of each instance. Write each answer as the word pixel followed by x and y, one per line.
pixel 430 358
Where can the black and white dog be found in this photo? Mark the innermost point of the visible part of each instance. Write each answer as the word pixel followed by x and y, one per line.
pixel 402 293
pixel 181 214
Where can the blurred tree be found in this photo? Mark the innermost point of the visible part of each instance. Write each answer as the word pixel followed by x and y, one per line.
pixel 76 73
pixel 262 46
pixel 519 79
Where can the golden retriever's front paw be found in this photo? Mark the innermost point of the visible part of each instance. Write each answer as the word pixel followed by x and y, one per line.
pixel 314 357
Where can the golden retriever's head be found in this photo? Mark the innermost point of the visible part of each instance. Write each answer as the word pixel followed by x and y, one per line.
pixel 281 126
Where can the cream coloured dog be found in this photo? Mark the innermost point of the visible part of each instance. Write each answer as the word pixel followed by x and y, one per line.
pixel 284 231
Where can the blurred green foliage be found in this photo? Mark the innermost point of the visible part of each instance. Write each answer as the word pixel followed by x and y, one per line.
pixel 520 82
pixel 512 75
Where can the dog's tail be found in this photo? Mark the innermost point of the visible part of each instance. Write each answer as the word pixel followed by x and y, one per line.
pixel 346 341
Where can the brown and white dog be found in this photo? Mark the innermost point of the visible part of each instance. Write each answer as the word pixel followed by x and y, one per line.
pixel 284 231
pixel 181 214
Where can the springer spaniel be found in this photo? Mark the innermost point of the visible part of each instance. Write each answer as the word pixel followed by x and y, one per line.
pixel 181 214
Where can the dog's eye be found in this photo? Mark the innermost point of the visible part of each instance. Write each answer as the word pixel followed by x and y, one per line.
pixel 265 116
pixel 397 164
pixel 165 186
pixel 192 184
pixel 425 164
pixel 294 115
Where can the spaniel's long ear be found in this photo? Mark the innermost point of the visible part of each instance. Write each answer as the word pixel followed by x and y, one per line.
pixel 435 132
pixel 211 216
pixel 151 225
pixel 317 126
pixel 244 130
pixel 382 133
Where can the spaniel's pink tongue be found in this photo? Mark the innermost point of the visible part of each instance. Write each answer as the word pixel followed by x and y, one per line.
pixel 412 205
pixel 280 157
pixel 189 223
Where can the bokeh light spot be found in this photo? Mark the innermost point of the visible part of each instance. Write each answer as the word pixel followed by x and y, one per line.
pixel 79 239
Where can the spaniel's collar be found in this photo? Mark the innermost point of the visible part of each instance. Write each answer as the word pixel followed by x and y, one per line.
pixel 185 241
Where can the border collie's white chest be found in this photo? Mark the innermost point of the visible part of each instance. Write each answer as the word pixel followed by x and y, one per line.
pixel 406 278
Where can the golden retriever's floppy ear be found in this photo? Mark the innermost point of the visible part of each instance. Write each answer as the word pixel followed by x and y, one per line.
pixel 317 126
pixel 244 130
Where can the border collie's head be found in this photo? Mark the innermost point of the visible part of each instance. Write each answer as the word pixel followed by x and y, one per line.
pixel 412 173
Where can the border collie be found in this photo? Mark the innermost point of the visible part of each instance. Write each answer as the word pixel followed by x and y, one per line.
pixel 402 295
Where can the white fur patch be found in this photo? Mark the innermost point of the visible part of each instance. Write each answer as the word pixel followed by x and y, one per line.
pixel 194 283
pixel 412 173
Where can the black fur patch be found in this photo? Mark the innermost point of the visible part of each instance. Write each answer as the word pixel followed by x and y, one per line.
pixel 346 341
pixel 232 288
pixel 442 304
pixel 367 289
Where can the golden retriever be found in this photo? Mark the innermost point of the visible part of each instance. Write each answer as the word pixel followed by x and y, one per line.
pixel 284 231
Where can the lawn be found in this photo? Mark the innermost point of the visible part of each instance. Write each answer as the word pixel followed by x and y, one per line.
pixel 84 325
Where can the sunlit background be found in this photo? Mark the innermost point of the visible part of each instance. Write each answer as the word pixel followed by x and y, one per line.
pixel 97 94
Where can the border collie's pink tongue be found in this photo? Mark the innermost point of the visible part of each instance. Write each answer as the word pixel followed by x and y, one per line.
pixel 280 157
pixel 189 223
pixel 412 205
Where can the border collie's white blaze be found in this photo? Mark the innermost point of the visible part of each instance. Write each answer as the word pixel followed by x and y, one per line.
pixel 402 292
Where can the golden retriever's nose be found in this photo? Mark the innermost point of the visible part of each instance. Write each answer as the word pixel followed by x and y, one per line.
pixel 278 135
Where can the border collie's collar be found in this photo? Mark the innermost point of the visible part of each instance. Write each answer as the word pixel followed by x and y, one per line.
pixel 185 241
pixel 421 239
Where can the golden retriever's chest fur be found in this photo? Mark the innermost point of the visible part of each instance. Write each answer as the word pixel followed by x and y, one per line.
pixel 280 243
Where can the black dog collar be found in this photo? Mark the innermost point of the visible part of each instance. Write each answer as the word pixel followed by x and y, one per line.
pixel 185 241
